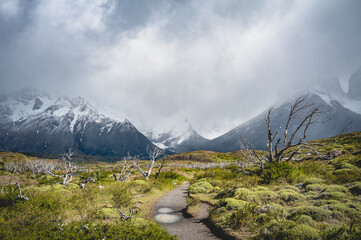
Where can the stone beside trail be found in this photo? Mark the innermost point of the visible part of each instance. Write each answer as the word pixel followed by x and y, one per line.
pixel 173 206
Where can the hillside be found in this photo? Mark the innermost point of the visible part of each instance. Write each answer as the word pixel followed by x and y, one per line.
pixel 314 197
pixel 32 121
pixel 334 120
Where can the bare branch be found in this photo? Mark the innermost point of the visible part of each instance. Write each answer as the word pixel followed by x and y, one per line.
pixel 154 154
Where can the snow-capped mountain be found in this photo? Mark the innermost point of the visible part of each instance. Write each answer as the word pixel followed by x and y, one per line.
pixel 342 113
pixel 180 138
pixel 32 121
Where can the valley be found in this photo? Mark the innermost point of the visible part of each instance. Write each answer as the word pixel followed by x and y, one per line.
pixel 311 198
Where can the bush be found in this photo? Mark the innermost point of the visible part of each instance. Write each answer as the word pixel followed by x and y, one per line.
pixel 355 188
pixel 317 213
pixel 290 196
pixel 241 215
pixel 336 188
pixel 314 181
pixel 200 187
pixel 345 165
pixel 272 208
pixel 266 196
pixel 332 195
pixel 9 195
pixel 342 232
pixel 289 230
pixel 305 219
pixel 348 209
pixel 315 187
pixel 225 193
pixel 302 231
pixel 276 170
pixel 347 175
pixel 234 204
pixel 287 187
pixel 122 196
pixel 246 195
pixel 108 213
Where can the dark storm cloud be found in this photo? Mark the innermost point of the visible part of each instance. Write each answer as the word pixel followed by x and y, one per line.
pixel 218 63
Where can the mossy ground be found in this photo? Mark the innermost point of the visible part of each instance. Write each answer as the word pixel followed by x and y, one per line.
pixel 56 211
pixel 310 199
pixel 315 199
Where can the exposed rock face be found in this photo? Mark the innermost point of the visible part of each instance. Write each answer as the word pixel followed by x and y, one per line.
pixel 33 122
pixel 182 139
pixel 354 91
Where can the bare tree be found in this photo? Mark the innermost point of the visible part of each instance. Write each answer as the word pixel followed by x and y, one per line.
pixel 39 166
pixel 302 115
pixel 154 154
pixel 21 196
pixel 69 168
pixel 125 171
pixel 131 211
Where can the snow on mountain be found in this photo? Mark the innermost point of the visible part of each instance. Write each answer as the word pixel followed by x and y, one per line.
pixel 34 121
pixel 180 137
pixel 329 96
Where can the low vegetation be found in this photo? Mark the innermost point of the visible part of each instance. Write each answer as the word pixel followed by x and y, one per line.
pixel 36 204
pixel 311 198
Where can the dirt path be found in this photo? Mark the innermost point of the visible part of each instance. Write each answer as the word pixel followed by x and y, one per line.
pixel 170 212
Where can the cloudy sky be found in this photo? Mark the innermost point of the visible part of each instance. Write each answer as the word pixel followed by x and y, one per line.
pixel 215 63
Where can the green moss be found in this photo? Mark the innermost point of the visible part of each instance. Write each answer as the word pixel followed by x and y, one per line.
pixel 317 213
pixel 54 187
pixel 228 192
pixel 202 180
pixel 347 209
pixel 290 196
pixel 345 165
pixel 276 170
pixel 305 219
pixel 260 188
pixel 313 181
pixel 246 195
pixel 200 187
pixel 302 231
pixel 266 196
pixel 332 195
pixel 347 175
pixel 355 188
pixel 287 187
pixel 336 188
pixel 272 208
pixel 315 187
pixel 108 213
pixel 322 202
pixel 140 182
pixel 216 189
pixel 234 204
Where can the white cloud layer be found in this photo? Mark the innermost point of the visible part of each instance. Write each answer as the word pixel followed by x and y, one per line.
pixel 216 63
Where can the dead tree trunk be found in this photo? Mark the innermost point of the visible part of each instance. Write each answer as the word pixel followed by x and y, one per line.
pixel 125 171
pixel 69 168
pixel 154 154
pixel 301 116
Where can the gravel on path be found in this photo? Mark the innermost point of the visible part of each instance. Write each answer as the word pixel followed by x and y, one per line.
pixel 187 228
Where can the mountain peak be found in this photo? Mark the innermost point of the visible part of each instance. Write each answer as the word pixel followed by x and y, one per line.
pixel 354 90
pixel 32 121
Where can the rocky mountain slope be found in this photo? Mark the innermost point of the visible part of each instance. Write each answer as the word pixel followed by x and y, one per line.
pixel 336 119
pixel 180 138
pixel 32 121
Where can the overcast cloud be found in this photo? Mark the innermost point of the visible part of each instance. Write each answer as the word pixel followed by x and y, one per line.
pixel 216 63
